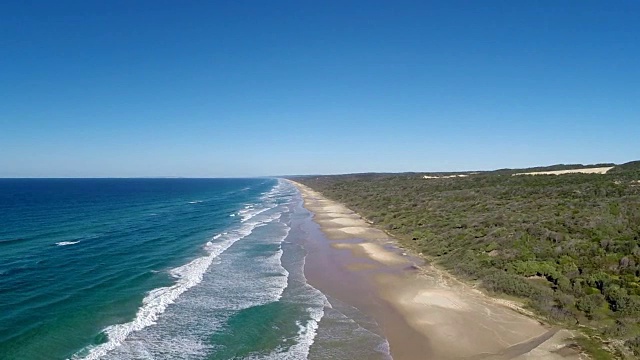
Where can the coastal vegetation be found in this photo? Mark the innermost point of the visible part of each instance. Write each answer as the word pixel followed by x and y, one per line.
pixel 568 245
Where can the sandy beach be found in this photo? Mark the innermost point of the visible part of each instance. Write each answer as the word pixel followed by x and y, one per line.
pixel 422 311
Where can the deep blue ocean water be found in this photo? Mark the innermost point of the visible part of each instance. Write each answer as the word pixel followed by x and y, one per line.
pixel 160 269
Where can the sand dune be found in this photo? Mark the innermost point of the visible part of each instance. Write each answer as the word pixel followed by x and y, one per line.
pixel 444 176
pixel 600 170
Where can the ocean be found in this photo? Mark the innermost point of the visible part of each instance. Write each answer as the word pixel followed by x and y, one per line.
pixel 165 269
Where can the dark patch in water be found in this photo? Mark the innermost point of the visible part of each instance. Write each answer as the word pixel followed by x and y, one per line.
pixel 258 329
pixel 100 338
pixel 11 241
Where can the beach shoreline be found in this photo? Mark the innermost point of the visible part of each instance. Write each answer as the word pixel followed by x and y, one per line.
pixel 423 312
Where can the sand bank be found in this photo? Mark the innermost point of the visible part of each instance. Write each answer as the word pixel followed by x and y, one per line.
pixel 424 312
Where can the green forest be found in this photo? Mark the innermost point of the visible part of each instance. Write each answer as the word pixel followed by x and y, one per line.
pixel 568 245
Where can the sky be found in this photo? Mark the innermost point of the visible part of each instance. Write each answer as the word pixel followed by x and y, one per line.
pixel 252 88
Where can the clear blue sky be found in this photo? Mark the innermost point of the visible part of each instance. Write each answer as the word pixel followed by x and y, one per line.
pixel 247 88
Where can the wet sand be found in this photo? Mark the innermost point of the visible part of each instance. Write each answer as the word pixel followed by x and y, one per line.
pixel 422 311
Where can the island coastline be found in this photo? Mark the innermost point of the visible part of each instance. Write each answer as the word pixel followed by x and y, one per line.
pixel 424 312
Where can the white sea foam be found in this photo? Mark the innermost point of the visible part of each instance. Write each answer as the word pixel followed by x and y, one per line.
pixel 196 202
pixel 219 295
pixel 307 331
pixel 268 200
pixel 65 243
pixel 306 336
pixel 188 275
pixel 157 300
pixel 248 215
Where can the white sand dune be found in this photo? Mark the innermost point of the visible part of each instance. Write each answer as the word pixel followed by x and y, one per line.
pixel 444 176
pixel 600 170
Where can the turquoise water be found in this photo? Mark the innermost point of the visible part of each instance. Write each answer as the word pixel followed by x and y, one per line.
pixel 161 269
